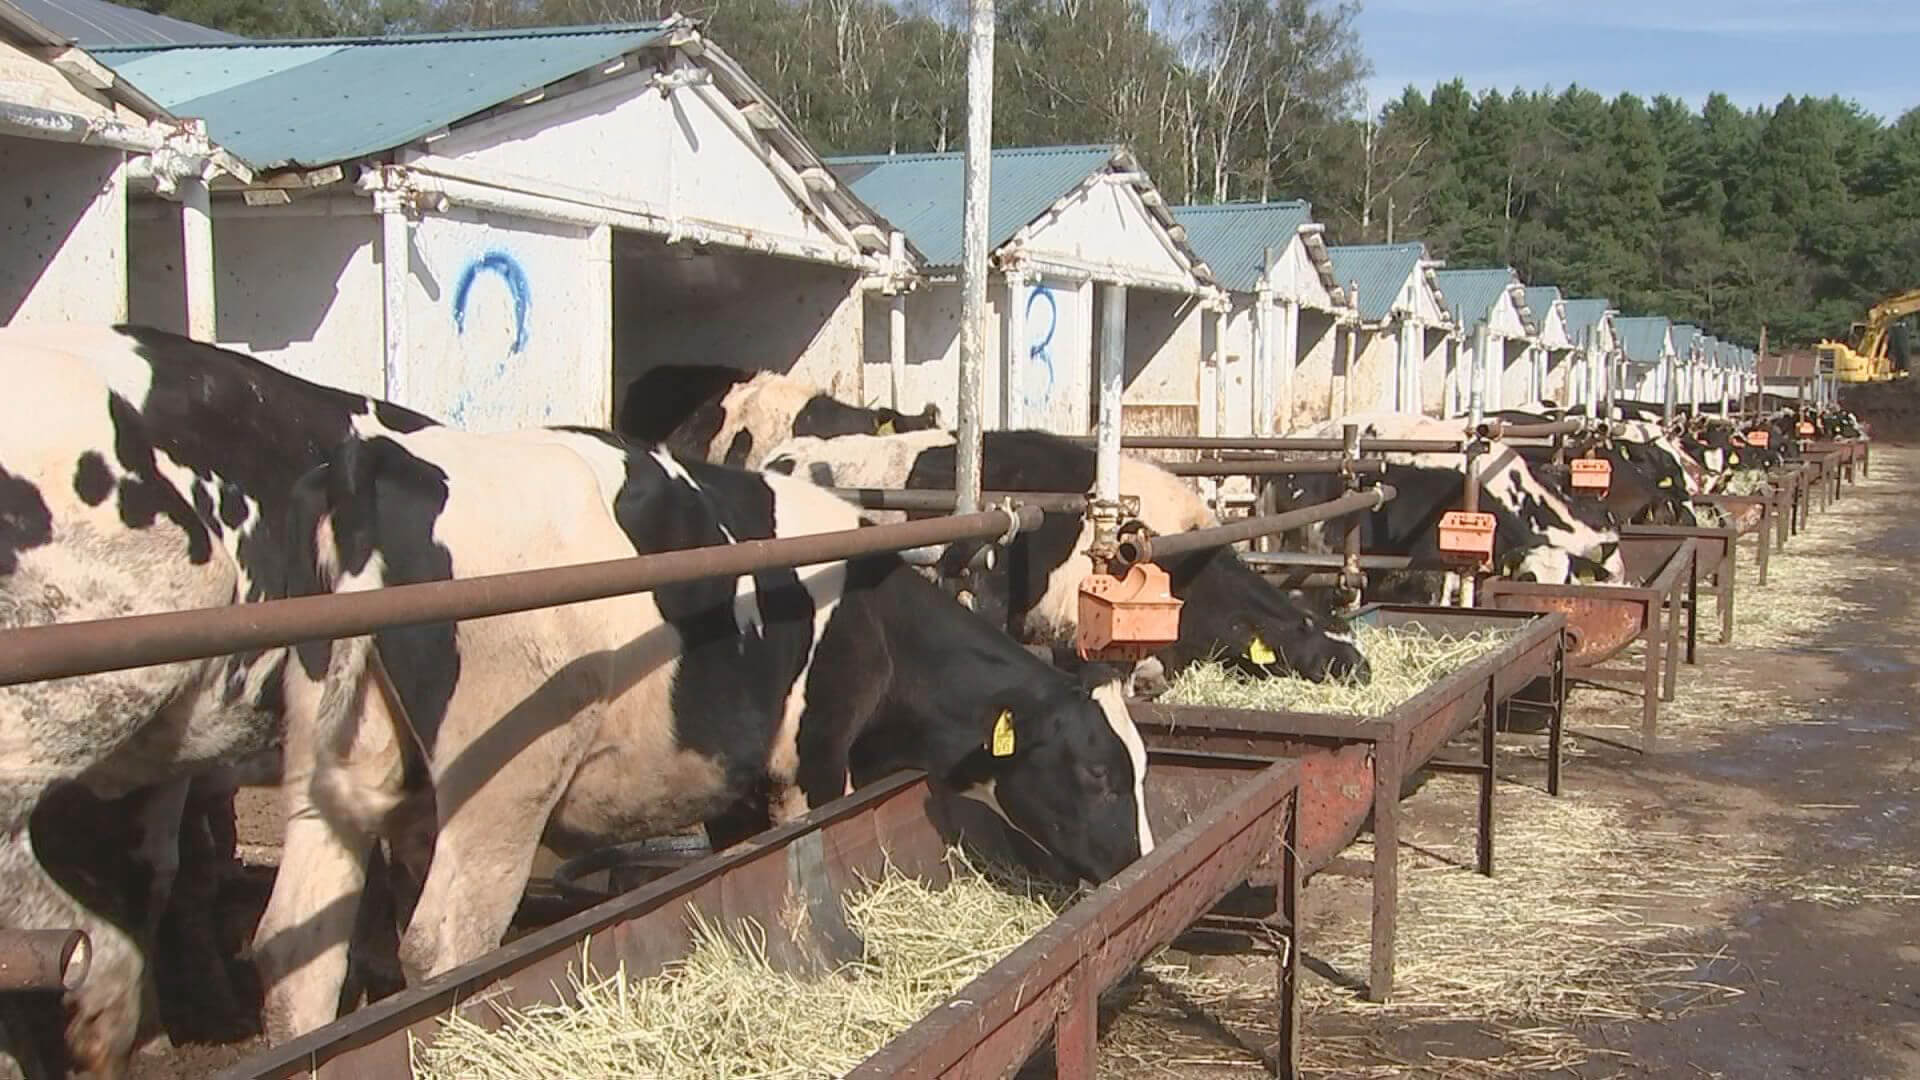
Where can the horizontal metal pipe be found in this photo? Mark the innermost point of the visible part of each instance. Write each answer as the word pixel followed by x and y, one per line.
pixel 1500 429
pixel 1306 579
pixel 1147 549
pixel 1228 442
pixel 44 959
pixel 78 648
pixel 1270 467
pixel 942 500
pixel 1325 561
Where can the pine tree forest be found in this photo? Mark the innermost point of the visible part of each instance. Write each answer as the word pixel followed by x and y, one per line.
pixel 1800 214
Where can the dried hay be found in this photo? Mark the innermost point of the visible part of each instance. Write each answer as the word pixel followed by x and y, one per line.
pixel 1745 482
pixel 725 1010
pixel 1405 660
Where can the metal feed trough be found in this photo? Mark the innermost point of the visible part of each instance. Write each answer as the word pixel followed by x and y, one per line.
pixel 1225 821
pixel 1755 516
pixel 1353 768
pixel 1715 554
pixel 1604 620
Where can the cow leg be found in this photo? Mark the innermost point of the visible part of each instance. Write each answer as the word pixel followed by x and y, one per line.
pixel 492 811
pixel 103 1012
pixel 333 811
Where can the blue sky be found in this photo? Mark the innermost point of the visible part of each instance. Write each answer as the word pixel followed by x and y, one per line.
pixel 1756 51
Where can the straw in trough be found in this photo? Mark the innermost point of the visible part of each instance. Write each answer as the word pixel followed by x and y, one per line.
pixel 726 1010
pixel 1405 661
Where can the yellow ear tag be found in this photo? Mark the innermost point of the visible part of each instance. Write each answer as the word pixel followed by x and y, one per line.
pixel 1258 652
pixel 885 428
pixel 1666 481
pixel 1003 734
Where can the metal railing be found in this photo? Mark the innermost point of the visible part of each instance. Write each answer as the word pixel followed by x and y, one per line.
pixel 79 648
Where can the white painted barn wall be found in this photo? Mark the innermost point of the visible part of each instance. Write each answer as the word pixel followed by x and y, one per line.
pixel 671 156
pixel 1104 226
pixel 1371 384
pixel 1314 386
pixel 1437 363
pixel 301 292
pixel 63 237
pixel 1166 337
pixel 509 322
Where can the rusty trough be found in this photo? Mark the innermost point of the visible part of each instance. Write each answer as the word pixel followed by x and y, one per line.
pixel 1604 620
pixel 1715 554
pixel 1354 768
pixel 1226 821
pixel 1752 515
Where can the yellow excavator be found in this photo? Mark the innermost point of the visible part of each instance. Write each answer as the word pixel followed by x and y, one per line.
pixel 1865 358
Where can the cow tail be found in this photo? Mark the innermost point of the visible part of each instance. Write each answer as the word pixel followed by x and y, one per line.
pixel 359 755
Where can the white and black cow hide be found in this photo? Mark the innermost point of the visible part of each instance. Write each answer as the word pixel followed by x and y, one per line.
pixel 1230 613
pixel 141 472
pixel 734 416
pixel 1540 534
pixel 731 702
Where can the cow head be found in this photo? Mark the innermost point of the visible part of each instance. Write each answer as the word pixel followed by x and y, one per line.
pixel 1233 615
pixel 1062 764
pixel 887 421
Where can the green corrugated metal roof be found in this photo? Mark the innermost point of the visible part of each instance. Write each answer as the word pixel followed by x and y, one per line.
pixel 1584 314
pixel 1683 338
pixel 1472 294
pixel 1643 337
pixel 1381 270
pixel 921 194
pixel 1233 237
pixel 1540 300
pixel 311 103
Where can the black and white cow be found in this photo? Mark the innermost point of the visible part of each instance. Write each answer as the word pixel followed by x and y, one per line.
pixel 729 702
pixel 733 416
pixel 141 472
pixel 1540 533
pixel 1229 612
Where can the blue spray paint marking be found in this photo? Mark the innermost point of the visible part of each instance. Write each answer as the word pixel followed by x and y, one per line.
pixel 1041 351
pixel 503 264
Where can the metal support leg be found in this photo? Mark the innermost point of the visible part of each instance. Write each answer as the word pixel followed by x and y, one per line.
pixel 1765 539
pixel 1672 661
pixel 1724 581
pixel 1556 720
pixel 1386 868
pixel 1489 724
pixel 1693 606
pixel 1650 638
pixel 1076 1037
pixel 1286 1052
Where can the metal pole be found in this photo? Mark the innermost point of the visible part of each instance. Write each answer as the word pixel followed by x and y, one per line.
pixel 44 959
pixel 395 266
pixel 973 254
pixel 196 247
pixel 1477 377
pixel 1148 548
pixel 897 326
pixel 1667 380
pixel 1353 581
pixel 59 650
pixel 1013 368
pixel 1106 472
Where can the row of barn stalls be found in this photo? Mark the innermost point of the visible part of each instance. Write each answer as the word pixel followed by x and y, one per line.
pixel 503 229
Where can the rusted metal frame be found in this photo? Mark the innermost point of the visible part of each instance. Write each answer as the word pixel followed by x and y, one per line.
pixel 994 1023
pixel 1762 532
pixel 1286 972
pixel 1489 722
pixel 1277 444
pixel 1500 429
pixel 1392 756
pixel 1270 467
pixel 42 960
pixel 1321 560
pixel 1721 545
pixel 77 648
pixel 1140 548
pixel 943 501
pixel 1557 718
pixel 391 1018
pixel 1389 771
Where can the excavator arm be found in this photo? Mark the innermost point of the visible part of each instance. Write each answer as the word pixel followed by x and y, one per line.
pixel 1881 317
pixel 1865 360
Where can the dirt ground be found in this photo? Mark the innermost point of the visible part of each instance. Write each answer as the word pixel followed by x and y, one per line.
pixel 1740 905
